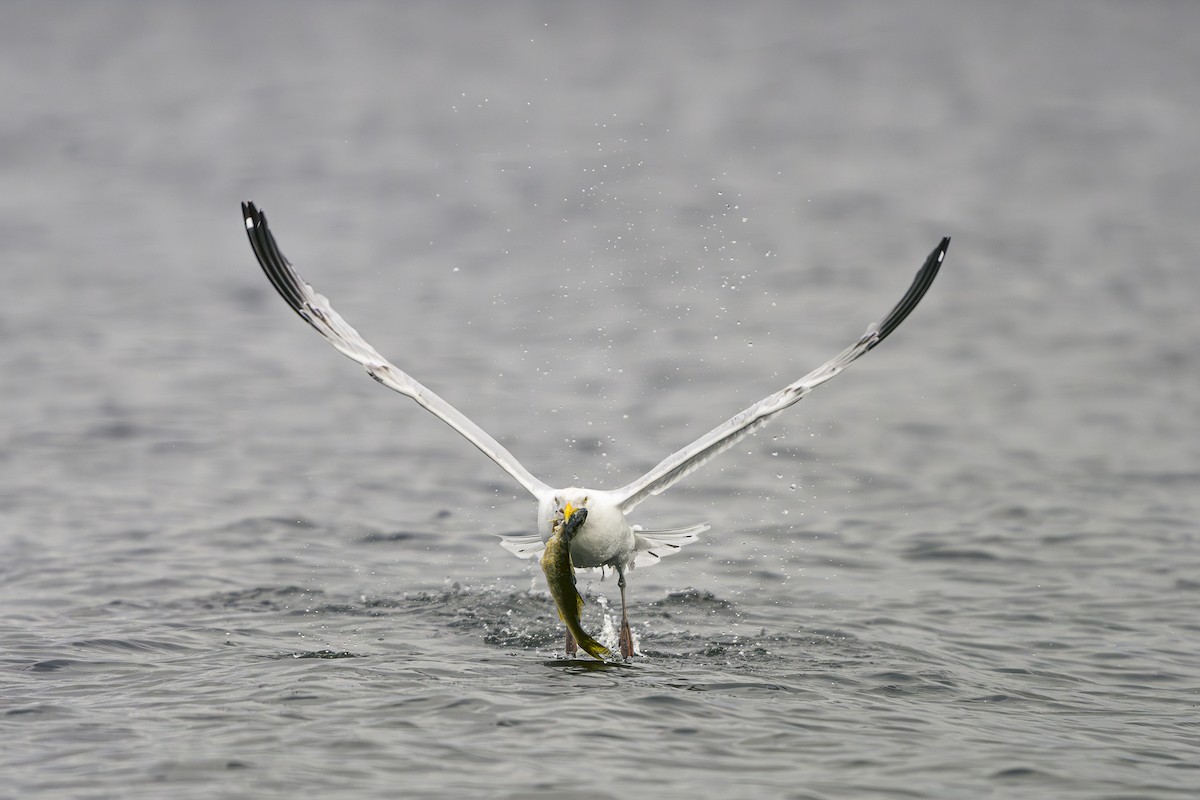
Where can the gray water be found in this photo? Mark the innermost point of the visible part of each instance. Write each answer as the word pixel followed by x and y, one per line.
pixel 233 566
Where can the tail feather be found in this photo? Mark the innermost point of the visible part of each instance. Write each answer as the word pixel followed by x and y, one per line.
pixel 523 545
pixel 654 545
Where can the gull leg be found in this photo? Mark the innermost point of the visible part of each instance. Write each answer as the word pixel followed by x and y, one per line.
pixel 626 636
pixel 571 647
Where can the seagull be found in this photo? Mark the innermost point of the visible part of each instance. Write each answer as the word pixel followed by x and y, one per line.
pixel 606 538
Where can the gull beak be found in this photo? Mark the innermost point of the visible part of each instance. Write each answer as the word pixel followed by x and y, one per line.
pixel 574 519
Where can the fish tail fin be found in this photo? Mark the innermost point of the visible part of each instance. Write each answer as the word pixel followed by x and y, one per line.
pixel 593 648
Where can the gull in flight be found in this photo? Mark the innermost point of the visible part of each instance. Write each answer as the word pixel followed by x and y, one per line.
pixel 605 538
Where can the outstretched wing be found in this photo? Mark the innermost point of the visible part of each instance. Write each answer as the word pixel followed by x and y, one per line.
pixel 679 464
pixel 316 311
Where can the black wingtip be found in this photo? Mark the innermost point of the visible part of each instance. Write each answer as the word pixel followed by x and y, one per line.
pixel 920 285
pixel 272 261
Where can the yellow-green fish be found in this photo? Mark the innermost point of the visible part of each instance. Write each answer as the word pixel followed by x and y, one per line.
pixel 560 577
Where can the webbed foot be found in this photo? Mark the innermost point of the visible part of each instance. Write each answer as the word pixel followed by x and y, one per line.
pixel 626 640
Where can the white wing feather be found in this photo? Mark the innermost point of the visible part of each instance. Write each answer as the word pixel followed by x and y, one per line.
pixel 724 436
pixel 316 311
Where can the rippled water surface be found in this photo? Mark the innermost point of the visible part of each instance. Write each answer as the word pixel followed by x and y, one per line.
pixel 233 566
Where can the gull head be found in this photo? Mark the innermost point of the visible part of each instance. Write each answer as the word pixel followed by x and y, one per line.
pixel 565 504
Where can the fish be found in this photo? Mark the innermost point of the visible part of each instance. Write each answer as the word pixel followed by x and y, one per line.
pixel 560 577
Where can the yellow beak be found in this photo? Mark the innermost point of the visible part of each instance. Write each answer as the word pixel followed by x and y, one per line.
pixel 568 510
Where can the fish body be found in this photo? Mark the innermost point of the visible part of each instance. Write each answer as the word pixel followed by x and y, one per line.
pixel 560 577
